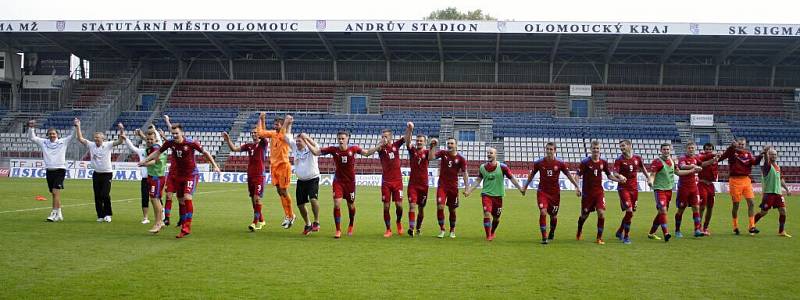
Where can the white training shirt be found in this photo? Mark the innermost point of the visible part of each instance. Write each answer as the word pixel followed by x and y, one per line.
pixel 54 153
pixel 306 166
pixel 101 156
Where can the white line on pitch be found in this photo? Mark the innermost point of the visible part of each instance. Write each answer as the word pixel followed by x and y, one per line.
pixel 84 204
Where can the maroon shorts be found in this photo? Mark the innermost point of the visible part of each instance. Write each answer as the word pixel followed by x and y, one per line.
pixel 492 204
pixel 392 191
pixel 772 201
pixel 628 199
pixel 155 185
pixel 687 197
pixel 447 197
pixel 707 194
pixel 185 186
pixel 255 185
pixel 549 202
pixel 593 201
pixel 662 198
pixel 418 195
pixel 346 191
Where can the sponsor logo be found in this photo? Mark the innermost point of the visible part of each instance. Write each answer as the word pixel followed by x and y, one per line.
pixel 694 28
pixel 501 26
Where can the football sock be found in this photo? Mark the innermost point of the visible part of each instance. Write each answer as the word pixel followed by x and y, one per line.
pixel 697 219
pixel 255 213
pixel 656 222
pixel 553 224
pixel 420 216
pixel 781 223
pixel 452 220
pixel 664 226
pixel 337 218
pixel 168 207
pixel 187 220
pixel 352 214
pixel 181 212
pixel 495 223
pixel 580 224
pixel 440 218
pixel 398 211
pixel 543 225
pixel 626 222
pixel 601 222
pixel 386 218
pixel 487 226
pixel 286 202
pixel 260 214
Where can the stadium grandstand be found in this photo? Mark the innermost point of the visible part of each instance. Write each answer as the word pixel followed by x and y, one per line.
pixel 508 85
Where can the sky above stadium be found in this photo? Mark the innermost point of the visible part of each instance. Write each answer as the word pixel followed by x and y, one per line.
pixel 701 11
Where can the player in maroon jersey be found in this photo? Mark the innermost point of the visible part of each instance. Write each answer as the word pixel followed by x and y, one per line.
pixel 688 194
pixel 186 175
pixel 626 169
pixel 705 184
pixel 169 185
pixel 593 199
pixel 256 177
pixel 447 192
pixel 689 189
pixel 344 180
pixel 548 194
pixel 392 183
pixel 418 180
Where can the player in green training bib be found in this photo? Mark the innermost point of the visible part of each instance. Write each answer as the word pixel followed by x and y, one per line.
pixel 155 172
pixel 662 178
pixel 492 174
pixel 773 186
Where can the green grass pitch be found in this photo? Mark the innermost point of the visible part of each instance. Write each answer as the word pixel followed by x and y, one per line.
pixel 79 258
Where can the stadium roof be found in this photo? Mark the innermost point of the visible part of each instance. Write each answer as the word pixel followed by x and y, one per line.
pixel 689 43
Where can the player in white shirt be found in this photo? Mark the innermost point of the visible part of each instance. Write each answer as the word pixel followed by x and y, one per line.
pixel 100 152
pixel 54 151
pixel 306 167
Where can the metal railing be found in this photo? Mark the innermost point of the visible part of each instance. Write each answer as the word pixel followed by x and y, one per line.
pixel 122 97
pixel 66 91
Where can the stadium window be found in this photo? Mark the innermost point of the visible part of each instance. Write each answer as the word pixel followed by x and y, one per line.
pixel 579 108
pixel 358 104
pixel 2 62
pixel 702 139
pixel 466 135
